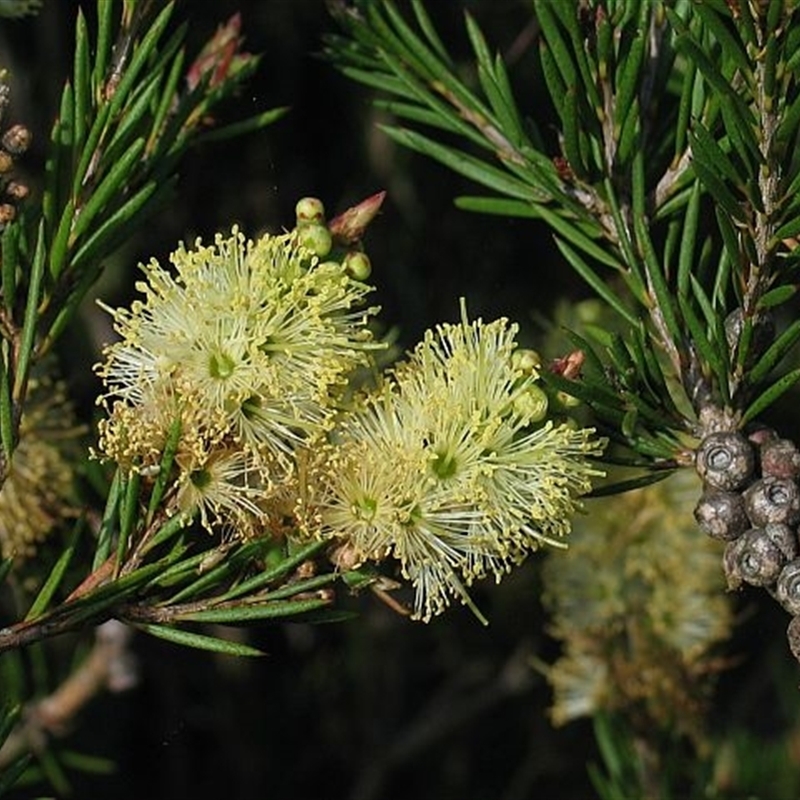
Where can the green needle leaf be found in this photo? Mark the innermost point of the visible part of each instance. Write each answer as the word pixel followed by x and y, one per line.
pixel 777 296
pixel 105 24
pixel 470 167
pixel 9 716
pixel 141 55
pixel 56 576
pixel 499 206
pixel 618 487
pixel 709 353
pixel 774 354
pixel 83 85
pixel 108 188
pixel 30 324
pixel 289 590
pixel 691 221
pixel 12 773
pixel 236 129
pixel 198 641
pixel 598 284
pixel 165 469
pixel 768 397
pixel 240 613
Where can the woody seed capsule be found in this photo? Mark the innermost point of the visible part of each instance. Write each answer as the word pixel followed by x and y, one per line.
pixel 721 514
pixel 17 139
pixel 761 336
pixel 725 460
pixel 787 590
pixel 772 500
pixel 781 458
pixel 784 538
pixel 793 635
pixel 17 191
pixel 754 558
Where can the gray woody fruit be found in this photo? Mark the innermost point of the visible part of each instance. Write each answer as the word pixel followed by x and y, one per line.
pixel 780 458
pixel 758 556
pixel 725 460
pixel 788 589
pixel 762 332
pixel 772 499
pixel 721 514
pixel 793 635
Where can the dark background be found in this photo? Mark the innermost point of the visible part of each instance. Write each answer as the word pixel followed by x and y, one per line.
pixel 378 707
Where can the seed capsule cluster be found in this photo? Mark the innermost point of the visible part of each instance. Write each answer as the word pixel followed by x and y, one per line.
pixel 14 142
pixel 751 501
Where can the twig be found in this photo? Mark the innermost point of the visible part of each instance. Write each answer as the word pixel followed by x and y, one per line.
pixel 109 666
pixel 768 185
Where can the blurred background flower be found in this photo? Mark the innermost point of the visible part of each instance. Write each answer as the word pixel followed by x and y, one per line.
pixel 638 602
pixel 40 491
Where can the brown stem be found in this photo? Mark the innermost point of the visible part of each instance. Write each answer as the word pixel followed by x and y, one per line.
pixel 27 632
pixel 769 185
pixel 108 666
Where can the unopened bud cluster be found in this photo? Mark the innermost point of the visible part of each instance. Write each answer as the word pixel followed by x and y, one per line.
pixel 324 240
pixel 751 501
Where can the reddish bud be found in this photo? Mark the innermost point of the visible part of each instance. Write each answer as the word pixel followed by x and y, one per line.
pixel 563 169
pixel 348 228
pixel 570 365
pixel 219 55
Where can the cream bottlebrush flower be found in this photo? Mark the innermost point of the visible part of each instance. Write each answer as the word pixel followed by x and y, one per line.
pixel 638 625
pixel 223 486
pixel 480 437
pixel 37 493
pixel 260 336
pixel 444 471
pixel 377 499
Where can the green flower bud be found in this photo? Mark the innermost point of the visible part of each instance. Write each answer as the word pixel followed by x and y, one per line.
pixel 532 404
pixel 526 360
pixel 357 265
pixel 316 238
pixel 568 400
pixel 309 211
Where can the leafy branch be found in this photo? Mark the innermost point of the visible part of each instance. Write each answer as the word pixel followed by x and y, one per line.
pixel 653 135
pixel 162 572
